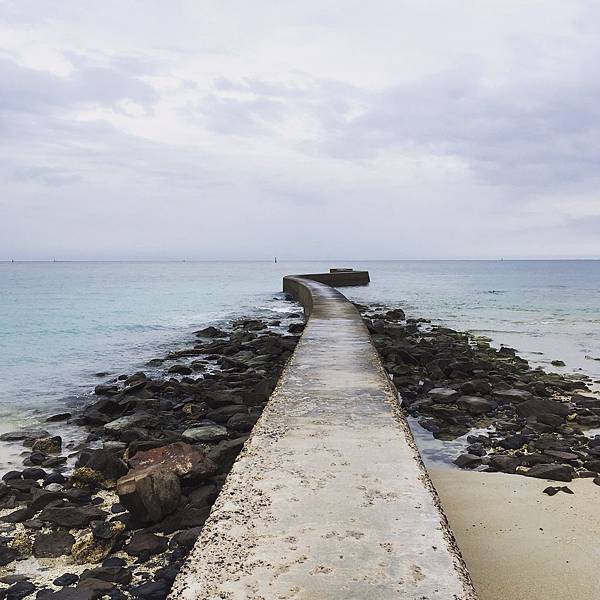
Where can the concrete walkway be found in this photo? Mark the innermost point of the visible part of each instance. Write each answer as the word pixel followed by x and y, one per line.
pixel 329 499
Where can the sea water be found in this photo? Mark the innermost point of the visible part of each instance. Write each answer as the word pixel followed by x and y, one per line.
pixel 63 322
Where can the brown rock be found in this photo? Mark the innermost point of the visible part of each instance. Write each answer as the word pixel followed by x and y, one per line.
pixel 180 458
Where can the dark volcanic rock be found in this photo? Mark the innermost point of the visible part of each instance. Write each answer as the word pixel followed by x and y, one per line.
pixel 551 471
pixel 475 404
pixel 19 590
pixel 152 590
pixel 149 494
pixel 53 544
pixel 72 517
pixel 540 406
pixel 104 462
pixel 146 544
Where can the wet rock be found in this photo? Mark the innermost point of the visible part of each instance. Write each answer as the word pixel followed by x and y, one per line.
pixel 181 370
pixel 180 458
pixel 59 417
pixel 34 473
pixel 551 471
pixel 205 433
pixel 26 435
pixel 12 475
pixel 211 332
pixel 53 544
pixel 149 494
pixel 586 400
pixel 467 461
pixel 146 544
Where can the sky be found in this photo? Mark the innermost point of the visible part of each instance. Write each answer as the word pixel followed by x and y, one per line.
pixel 304 130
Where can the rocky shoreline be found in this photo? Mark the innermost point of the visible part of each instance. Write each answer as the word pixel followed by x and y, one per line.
pixel 121 523
pixel 453 383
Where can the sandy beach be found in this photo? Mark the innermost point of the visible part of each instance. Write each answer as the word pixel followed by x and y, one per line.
pixel 519 543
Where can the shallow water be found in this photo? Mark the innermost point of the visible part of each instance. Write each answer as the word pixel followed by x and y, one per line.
pixel 60 323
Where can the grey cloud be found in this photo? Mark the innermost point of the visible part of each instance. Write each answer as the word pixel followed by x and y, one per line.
pixel 26 89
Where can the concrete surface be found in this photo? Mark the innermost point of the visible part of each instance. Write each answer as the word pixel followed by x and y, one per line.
pixel 329 498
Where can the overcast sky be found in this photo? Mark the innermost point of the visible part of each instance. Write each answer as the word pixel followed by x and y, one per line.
pixel 247 129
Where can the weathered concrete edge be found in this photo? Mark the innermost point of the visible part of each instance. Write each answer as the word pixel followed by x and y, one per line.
pixel 221 533
pixel 296 286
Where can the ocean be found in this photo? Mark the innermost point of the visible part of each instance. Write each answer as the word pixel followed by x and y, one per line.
pixel 63 322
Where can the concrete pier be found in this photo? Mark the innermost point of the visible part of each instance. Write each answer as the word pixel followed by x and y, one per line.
pixel 329 498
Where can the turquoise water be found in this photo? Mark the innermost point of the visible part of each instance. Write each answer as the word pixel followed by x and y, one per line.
pixel 62 322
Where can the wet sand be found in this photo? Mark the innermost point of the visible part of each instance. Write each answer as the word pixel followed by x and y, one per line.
pixel 519 543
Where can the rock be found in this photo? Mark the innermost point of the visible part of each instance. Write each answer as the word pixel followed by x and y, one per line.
pixel 103 461
pixel 146 544
pixel 66 579
pixel 21 542
pixel 12 475
pixel 210 332
pixel 467 461
pixel 128 422
pixel 223 414
pixel 504 463
pixel 181 370
pixel 149 494
pixel 396 314
pixel 540 406
pixel 19 590
pixel 48 445
pixel 514 442
pixel 586 400
pixel 24 435
pixel 152 590
pixel 443 395
pixel 84 477
pixel 296 328
pixel 180 458
pixel 69 593
pixel 34 473
pixel 98 587
pixel 225 453
pixel 72 517
pixel 53 544
pixel 551 471
pixel 557 363
pixel 551 490
pixel 242 421
pixel 187 538
pixel 54 478
pixel 7 555
pixel 112 574
pixel 512 395
pixel 59 417
pixel 205 433
pixel 92 549
pixel 475 404
pixel 559 455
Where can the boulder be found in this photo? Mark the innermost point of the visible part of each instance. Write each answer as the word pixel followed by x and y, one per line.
pixel 504 463
pixel 146 544
pixel 551 471
pixel 205 433
pixel 180 458
pixel 586 400
pixel 181 370
pixel 210 332
pixel 71 517
pixel 475 404
pixel 225 453
pixel 104 462
pixel 53 544
pixel 443 395
pixel 512 395
pixel 467 461
pixel 152 590
pixel 128 422
pixel 149 494
pixel 539 406
pixel 90 548
pixel 24 435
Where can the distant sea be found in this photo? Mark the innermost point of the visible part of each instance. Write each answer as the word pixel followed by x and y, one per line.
pixel 62 322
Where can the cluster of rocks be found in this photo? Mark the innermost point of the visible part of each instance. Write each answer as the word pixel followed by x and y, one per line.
pixel 159 448
pixel 453 383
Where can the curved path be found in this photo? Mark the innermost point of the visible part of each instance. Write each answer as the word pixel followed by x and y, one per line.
pixel 329 498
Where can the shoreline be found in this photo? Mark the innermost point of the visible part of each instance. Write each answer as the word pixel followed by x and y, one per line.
pixel 208 396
